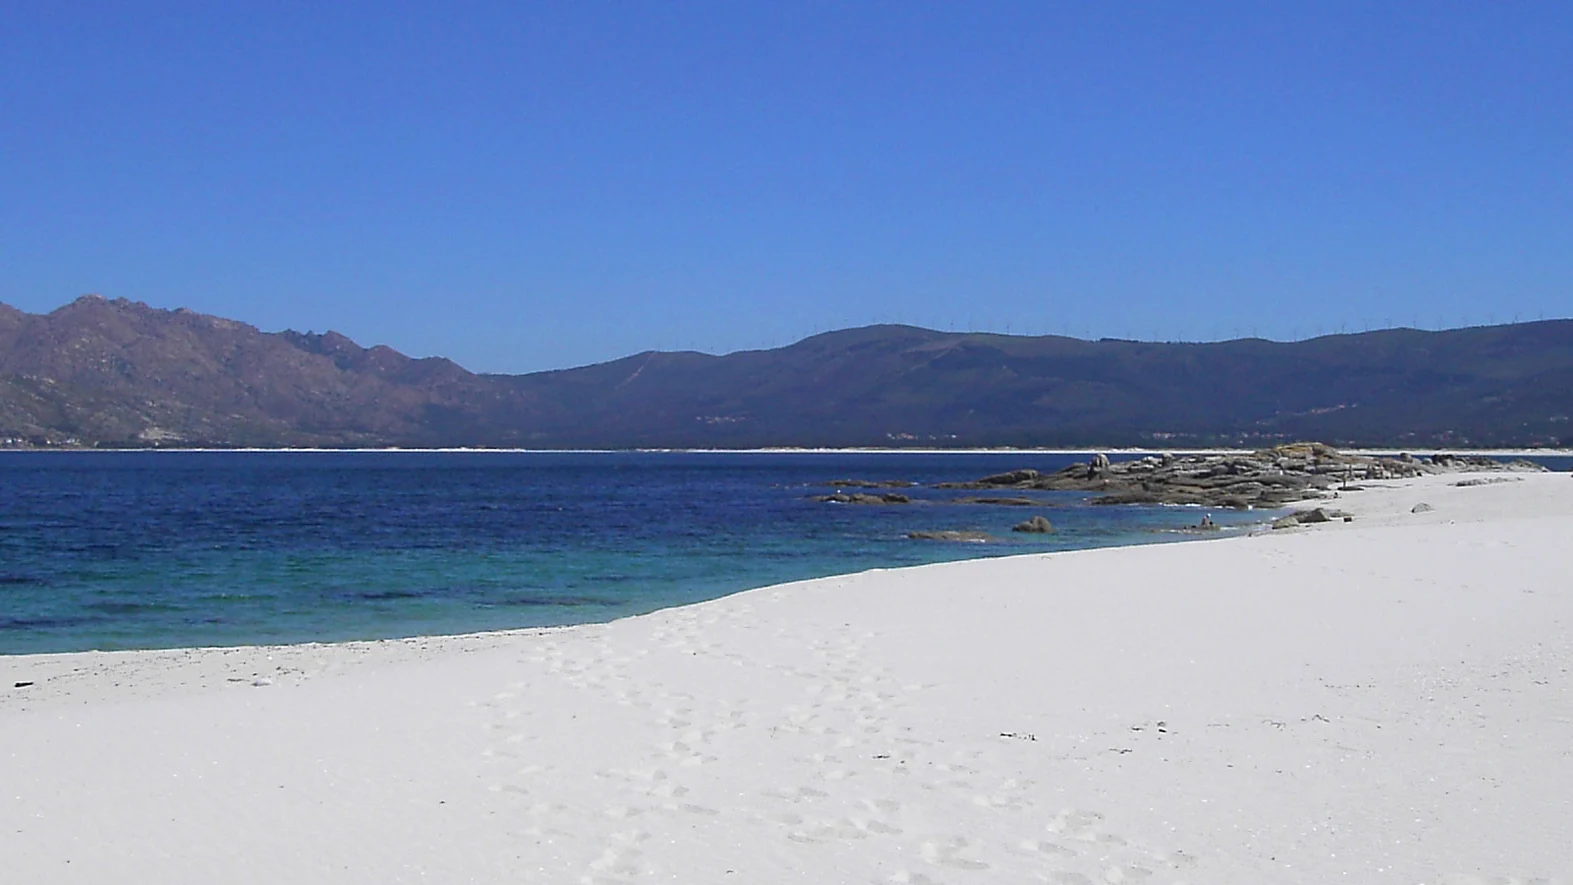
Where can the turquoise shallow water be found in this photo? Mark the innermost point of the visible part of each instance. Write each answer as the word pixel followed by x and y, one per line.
pixel 161 549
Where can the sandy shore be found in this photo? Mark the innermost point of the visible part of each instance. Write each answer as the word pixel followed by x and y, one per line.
pixel 1386 700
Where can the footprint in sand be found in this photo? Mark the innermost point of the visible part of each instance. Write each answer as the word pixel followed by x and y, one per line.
pixel 797 794
pixel 877 827
pixel 668 791
pixel 1083 825
pixel 623 811
pixel 1043 847
pixel 785 818
pixel 675 718
pixel 947 852
pixel 619 861
pixel 828 831
pixel 1088 827
pixel 1007 796
pixel 1118 875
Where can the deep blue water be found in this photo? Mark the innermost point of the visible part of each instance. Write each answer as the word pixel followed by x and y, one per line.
pixel 154 549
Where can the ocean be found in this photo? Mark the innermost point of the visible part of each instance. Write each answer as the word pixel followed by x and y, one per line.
pixel 122 550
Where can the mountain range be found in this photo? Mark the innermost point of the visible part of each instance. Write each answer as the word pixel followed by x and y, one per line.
pixel 116 373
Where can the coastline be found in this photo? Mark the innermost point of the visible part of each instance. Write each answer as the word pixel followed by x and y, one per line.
pixel 871 450
pixel 1387 699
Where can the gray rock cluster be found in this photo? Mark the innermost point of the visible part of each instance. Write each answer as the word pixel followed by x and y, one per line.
pixel 863 498
pixel 1268 478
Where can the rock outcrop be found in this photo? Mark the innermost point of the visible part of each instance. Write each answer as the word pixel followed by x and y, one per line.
pixel 1268 478
pixel 1309 517
pixel 1036 525
pixel 862 498
pixel 949 535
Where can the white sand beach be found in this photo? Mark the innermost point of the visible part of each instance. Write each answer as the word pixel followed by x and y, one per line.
pixel 1383 700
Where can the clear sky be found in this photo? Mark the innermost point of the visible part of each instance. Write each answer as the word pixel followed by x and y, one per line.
pixel 533 185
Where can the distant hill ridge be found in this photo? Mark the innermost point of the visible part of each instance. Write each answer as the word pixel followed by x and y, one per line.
pixel 100 372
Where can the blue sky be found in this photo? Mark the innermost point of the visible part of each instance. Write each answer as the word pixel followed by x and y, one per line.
pixel 525 186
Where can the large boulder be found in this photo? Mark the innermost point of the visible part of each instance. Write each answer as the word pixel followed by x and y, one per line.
pixel 1037 525
pixel 1310 517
